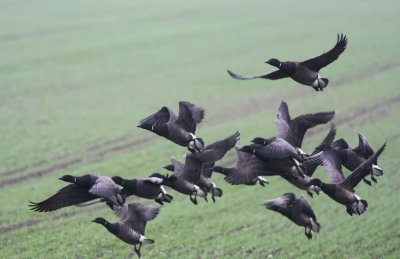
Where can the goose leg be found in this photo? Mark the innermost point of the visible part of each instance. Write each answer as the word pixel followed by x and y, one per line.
pixel 349 211
pixel 308 235
pixel 159 201
pixel 137 250
pixel 194 199
pixel 367 181
pixel 310 193
pixel 373 178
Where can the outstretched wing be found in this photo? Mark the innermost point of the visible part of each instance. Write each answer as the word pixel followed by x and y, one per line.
pixel 282 120
pixel 332 165
pixel 364 149
pixel 278 74
pixel 283 205
pixel 218 149
pixel 325 59
pixel 162 116
pixel 66 196
pixel 302 123
pixel 136 215
pixel 362 170
pixel 189 115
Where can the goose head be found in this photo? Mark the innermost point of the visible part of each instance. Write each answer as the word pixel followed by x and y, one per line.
pixel 274 62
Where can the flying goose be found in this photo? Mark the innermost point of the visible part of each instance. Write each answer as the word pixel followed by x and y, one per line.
pixel 132 224
pixel 148 188
pixel 184 180
pixel 294 130
pixel 309 165
pixel 179 129
pixel 305 72
pixel 341 189
pixel 82 189
pixel 205 184
pixel 298 211
pixel 248 170
pixel 352 157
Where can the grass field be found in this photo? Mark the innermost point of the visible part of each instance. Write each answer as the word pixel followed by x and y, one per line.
pixel 76 78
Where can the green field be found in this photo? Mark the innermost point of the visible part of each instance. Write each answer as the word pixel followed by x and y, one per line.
pixel 77 77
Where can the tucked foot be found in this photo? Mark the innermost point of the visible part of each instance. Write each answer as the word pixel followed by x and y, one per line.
pixel 310 193
pixel 367 181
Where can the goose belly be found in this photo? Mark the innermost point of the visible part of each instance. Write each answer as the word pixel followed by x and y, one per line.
pixel 306 76
pixel 183 187
pixel 343 196
pixel 148 191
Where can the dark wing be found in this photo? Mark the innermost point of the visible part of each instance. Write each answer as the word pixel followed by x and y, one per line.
pixel 242 156
pixel 364 149
pixel 279 148
pixel 332 165
pixel 283 205
pixel 325 59
pixel 207 169
pixel 189 115
pixel 66 196
pixel 247 172
pixel 278 74
pixel 302 123
pixel 282 120
pixel 306 207
pixel 340 144
pixel 137 216
pixel 327 141
pixel 161 117
pixel 363 170
pixel 311 163
pixel 218 149
pixel 178 166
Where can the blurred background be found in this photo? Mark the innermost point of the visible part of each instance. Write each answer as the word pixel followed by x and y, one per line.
pixel 77 77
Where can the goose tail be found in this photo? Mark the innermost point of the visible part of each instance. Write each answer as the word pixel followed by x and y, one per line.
pixel 323 82
pixel 217 192
pixel 362 206
pixel 315 226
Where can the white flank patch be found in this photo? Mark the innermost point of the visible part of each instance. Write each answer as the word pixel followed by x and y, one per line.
pixel 163 190
pixel 301 151
pixel 155 180
pixel 262 179
pixel 357 197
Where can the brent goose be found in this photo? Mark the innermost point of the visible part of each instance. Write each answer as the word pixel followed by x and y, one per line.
pixel 184 180
pixel 341 189
pixel 179 129
pixel 297 210
pixel 305 72
pixel 82 189
pixel 148 188
pixel 132 224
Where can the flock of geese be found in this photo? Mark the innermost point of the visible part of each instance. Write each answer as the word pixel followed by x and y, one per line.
pixel 280 156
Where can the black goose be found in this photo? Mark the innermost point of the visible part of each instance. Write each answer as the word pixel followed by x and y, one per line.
pixel 294 130
pixel 305 72
pixel 341 189
pixel 183 180
pixel 205 184
pixel 276 165
pixel 297 210
pixel 82 189
pixel 148 188
pixel 310 164
pixel 352 157
pixel 179 129
pixel 132 224
pixel 248 170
